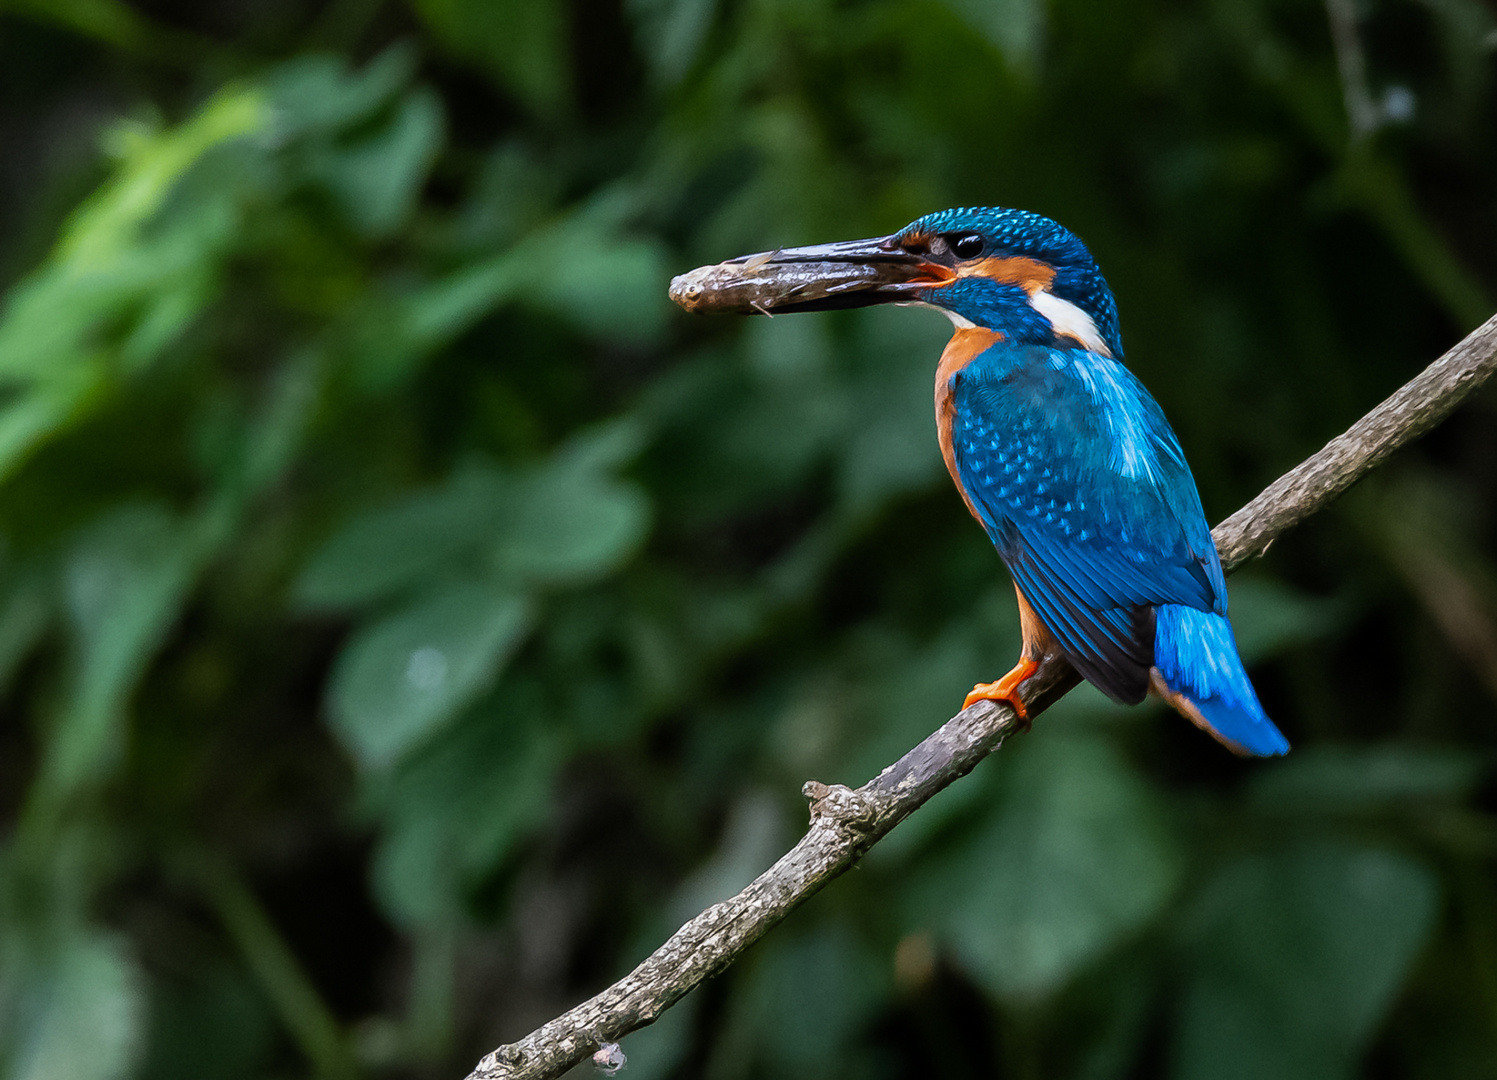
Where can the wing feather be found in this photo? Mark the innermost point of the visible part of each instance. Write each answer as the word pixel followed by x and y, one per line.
pixel 1084 490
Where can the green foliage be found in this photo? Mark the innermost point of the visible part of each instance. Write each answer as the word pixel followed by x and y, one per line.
pixel 1301 954
pixel 1076 856
pixel 407 618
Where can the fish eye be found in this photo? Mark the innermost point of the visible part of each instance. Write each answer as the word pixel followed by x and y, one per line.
pixel 967 245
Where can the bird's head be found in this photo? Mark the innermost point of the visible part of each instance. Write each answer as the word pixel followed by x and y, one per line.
pixel 1011 271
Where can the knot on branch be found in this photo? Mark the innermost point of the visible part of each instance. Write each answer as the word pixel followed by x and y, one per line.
pixel 837 804
pixel 497 1061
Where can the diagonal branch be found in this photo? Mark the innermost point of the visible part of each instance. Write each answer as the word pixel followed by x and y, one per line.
pixel 845 823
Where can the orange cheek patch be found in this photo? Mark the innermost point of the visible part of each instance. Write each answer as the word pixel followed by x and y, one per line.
pixel 1031 275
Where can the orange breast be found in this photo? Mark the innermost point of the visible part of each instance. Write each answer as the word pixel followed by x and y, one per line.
pixel 964 347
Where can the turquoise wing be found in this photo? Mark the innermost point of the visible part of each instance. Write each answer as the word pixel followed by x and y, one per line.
pixel 1084 490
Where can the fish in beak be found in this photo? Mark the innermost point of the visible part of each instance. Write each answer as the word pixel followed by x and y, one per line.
pixel 825 277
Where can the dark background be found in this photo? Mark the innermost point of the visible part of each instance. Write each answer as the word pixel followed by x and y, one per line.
pixel 407 618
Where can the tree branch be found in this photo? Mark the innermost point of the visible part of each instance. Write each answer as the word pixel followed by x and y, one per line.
pixel 845 823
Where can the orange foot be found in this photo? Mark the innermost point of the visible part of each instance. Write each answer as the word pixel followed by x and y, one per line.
pixel 1007 689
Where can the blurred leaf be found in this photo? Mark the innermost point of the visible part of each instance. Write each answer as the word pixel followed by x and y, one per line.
pixel 523 42
pixel 1357 779
pixel 1268 616
pixel 570 521
pixel 671 33
pixel 376 180
pixel 108 273
pixel 1015 27
pixel 208 1024
pixel 454 809
pixel 124 583
pixel 321 94
pixel 891 447
pixel 562 522
pixel 404 676
pixel 1297 957
pixel 71 1007
pixel 27 608
pixel 1075 856
pixel 391 549
pixel 606 284
pixel 809 994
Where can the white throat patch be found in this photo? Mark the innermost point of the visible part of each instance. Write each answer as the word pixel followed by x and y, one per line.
pixel 1069 320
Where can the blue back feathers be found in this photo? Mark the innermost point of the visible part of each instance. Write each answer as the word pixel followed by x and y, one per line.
pixel 1083 488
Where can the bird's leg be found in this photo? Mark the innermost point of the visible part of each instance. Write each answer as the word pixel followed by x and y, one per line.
pixel 1007 688
pixel 1038 642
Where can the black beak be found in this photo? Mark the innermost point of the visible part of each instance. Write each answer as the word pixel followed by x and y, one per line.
pixel 853 273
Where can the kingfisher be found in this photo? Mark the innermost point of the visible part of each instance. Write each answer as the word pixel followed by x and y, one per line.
pixel 1060 453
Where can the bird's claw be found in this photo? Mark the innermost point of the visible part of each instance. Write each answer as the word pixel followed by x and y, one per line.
pixel 1007 689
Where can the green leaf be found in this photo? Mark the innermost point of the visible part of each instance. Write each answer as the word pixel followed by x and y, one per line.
pixel 611 286
pixel 124 584
pixel 404 676
pixel 71 1007
pixel 570 521
pixel 376 180
pixel 1358 779
pixel 319 94
pixel 1075 856
pixel 454 809
pixel 1015 27
pixel 522 42
pixel 671 33
pixel 407 543
pixel 892 447
pixel 114 289
pixel 566 521
pixel 1269 616
pixel 1297 956
pixel 809 995
pixel 570 532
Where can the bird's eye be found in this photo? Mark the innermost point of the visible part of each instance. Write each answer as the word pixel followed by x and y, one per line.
pixel 967 245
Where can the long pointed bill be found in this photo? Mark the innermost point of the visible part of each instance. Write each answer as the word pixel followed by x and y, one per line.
pixel 854 273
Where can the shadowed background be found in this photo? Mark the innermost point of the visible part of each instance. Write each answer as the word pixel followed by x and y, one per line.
pixel 407 618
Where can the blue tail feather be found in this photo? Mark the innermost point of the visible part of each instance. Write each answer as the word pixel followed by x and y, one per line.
pixel 1195 656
